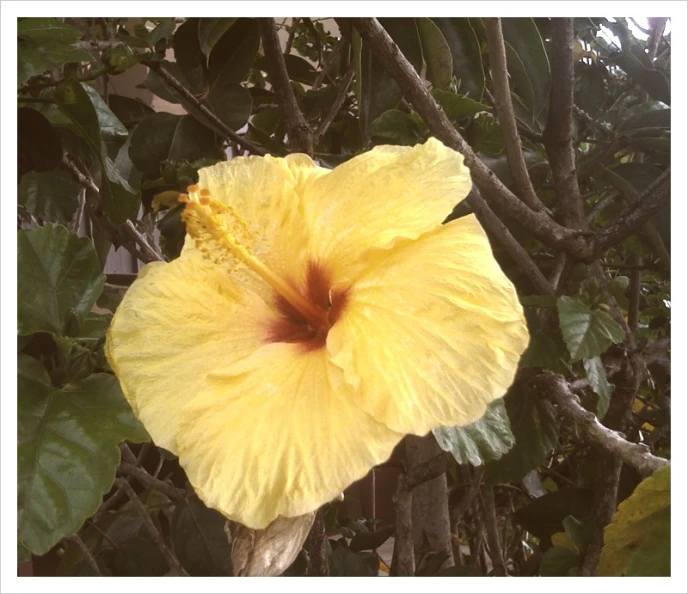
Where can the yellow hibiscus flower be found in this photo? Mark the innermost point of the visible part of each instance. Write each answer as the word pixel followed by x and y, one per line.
pixel 312 320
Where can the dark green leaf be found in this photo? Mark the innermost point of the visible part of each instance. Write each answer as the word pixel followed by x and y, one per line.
pixel 119 201
pixel 58 272
pixel 158 86
pixel 231 102
pixel 50 196
pixel 95 326
pixel 346 563
pixel 210 32
pixel 524 38
pixel 110 127
pixel 489 438
pixel 128 110
pixel 135 553
pixel 521 87
pixel 299 70
pixel 534 427
pixel 40 148
pixel 436 53
pixel 655 82
pixel 233 55
pixel 67 451
pixel 545 515
pixel 597 376
pixel 586 333
pixel 458 106
pixel 200 540
pixel 395 127
pixel 559 562
pixel 188 54
pixel 485 135
pixel 164 136
pixel 467 62
pixel 369 541
pixel 640 124
pixel 376 90
pixel 45 44
pixel 590 90
pixel 638 541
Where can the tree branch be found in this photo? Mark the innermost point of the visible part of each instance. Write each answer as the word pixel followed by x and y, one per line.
pixel 191 102
pixel 405 556
pixel 501 233
pixel 634 454
pixel 538 223
pixel 558 138
pixel 300 136
pixel 505 114
pixel 650 202
pixel 151 482
pixel 86 552
pixel 491 533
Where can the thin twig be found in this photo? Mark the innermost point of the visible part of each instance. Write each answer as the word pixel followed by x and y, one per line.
pixel 331 61
pixel 300 136
pixel 86 552
pixel 538 223
pixel 336 106
pixel 292 33
pixel 150 482
pixel 505 114
pixel 172 561
pixel 190 100
pixel 558 136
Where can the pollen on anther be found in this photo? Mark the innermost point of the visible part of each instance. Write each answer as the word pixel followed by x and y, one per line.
pixel 183 198
pixel 205 192
pixel 193 189
pixel 204 200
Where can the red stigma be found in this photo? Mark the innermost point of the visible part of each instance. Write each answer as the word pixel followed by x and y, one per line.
pixel 294 327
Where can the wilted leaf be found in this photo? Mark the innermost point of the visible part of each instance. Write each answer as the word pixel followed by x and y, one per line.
pixel 51 196
pixel 638 540
pixel 67 451
pixel 59 273
pixel 587 333
pixel 489 438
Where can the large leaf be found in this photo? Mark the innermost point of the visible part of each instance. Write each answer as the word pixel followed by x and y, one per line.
pixel 210 31
pixel 119 200
pixel 59 275
pixel 51 196
pixel 523 36
pixel 165 136
pixel 535 430
pixel 128 110
pixel 586 333
pixel 597 376
pixel 655 82
pixel 345 563
pixel 638 540
pixel 396 127
pixel 458 106
pixel 376 90
pixel 546 515
pixel 199 539
pixel 67 451
pixel 467 63
pixel 489 438
pixel 45 44
pixel 110 126
pixel 39 147
pixel 234 54
pixel 436 53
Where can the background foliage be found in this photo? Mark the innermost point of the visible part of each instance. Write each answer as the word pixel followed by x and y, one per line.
pixel 530 489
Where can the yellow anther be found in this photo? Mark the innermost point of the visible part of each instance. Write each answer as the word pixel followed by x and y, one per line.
pixel 205 192
pixel 204 200
pixel 193 189
pixel 183 198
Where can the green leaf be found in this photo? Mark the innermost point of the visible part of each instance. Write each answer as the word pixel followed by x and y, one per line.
pixel 535 430
pixel 210 31
pixel 597 376
pixel 199 539
pixel 298 69
pixel 545 515
pixel 654 81
pixel 67 451
pixel 110 126
pixel 485 135
pixel 345 563
pixel 165 136
pixel 59 272
pixel 467 62
pixel 436 53
pixel 188 55
pixel 39 147
pixel 489 438
pixel 377 92
pixel 119 200
pixel 230 102
pixel 638 540
pixel 45 44
pixel 523 37
pixel 586 333
pixel 546 349
pixel 559 562
pixel 51 196
pixel 458 106
pixel 396 127
pixel 95 326
pixel 233 56
pixel 639 123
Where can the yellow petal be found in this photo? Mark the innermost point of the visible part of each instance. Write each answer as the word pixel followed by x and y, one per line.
pixel 432 332
pixel 373 199
pixel 177 323
pixel 263 191
pixel 278 436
